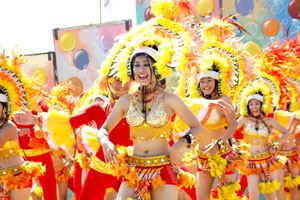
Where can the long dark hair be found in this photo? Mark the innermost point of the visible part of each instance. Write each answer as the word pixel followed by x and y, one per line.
pixel 4 114
pixel 262 113
pixel 143 89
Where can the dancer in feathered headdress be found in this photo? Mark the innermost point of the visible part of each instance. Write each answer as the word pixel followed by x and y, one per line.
pixel 213 70
pixel 62 100
pixel 255 101
pixel 218 68
pixel 16 174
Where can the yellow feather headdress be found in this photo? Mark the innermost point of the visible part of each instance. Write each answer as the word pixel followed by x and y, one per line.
pixel 294 83
pixel 172 42
pixel 62 98
pixel 215 56
pixel 221 28
pixel 264 85
pixel 14 84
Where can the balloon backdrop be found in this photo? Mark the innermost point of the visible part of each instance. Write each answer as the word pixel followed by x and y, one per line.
pixel 294 9
pixel 147 14
pixel 253 48
pixel 41 73
pixel 205 7
pixel 244 7
pixel 67 42
pixel 81 59
pixel 107 41
pixel 270 27
pixel 78 87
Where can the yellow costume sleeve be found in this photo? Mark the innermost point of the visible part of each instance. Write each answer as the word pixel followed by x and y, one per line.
pixel 60 133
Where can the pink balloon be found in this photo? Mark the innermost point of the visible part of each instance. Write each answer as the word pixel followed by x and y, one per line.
pixel 107 41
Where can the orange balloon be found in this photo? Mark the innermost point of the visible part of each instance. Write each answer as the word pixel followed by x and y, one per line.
pixel 78 86
pixel 270 27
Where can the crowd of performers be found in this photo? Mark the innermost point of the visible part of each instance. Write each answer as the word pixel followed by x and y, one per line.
pixel 233 117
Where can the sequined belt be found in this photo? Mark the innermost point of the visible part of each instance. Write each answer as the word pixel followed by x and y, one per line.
pixel 259 156
pixel 224 150
pixel 288 153
pixel 100 166
pixel 33 152
pixel 148 161
pixel 13 170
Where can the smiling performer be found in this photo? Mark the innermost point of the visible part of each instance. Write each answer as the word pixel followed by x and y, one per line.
pixel 216 157
pixel 254 101
pixel 147 57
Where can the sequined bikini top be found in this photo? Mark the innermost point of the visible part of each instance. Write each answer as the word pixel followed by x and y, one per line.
pixel 10 148
pixel 216 120
pixel 155 126
pixel 250 129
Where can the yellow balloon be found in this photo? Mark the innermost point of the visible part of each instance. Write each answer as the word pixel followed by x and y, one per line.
pixel 67 42
pixel 40 73
pixel 253 48
pixel 204 7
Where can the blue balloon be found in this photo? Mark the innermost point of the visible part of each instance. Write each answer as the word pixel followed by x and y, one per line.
pixel 81 59
pixel 244 7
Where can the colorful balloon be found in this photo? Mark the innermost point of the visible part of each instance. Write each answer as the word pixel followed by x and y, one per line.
pixel 277 7
pixel 81 59
pixel 107 41
pixel 147 14
pixel 244 7
pixel 270 27
pixel 251 27
pixel 253 48
pixel 67 42
pixel 205 7
pixel 78 86
pixel 294 9
pixel 40 73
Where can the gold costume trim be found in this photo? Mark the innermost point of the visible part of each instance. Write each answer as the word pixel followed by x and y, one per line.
pixel 9 152
pixel 13 170
pixel 100 166
pixel 148 161
pixel 259 156
pixel 288 153
pixel 33 152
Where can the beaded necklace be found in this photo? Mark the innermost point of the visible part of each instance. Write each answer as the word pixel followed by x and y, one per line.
pixel 150 97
